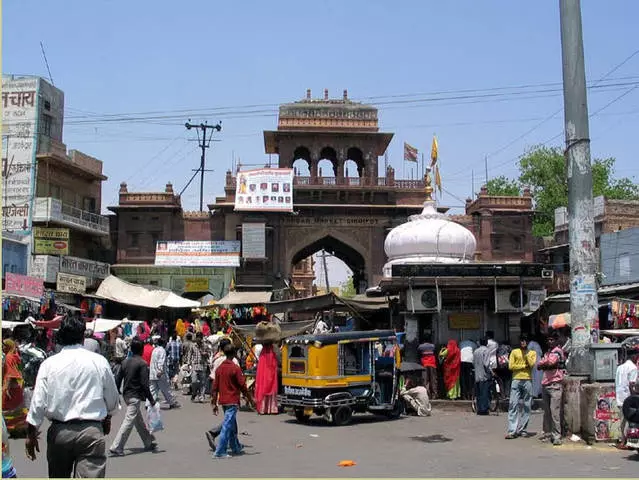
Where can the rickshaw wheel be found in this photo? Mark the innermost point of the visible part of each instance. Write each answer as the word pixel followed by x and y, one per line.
pixel 342 416
pixel 301 416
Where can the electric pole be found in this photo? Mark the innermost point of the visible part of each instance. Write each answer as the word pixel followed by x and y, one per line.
pixel 328 288
pixel 204 142
pixel 584 305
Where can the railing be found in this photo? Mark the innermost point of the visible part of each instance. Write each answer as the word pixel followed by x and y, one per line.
pixel 53 210
pixel 152 197
pixel 231 182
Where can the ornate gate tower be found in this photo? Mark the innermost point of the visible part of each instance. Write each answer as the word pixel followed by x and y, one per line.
pixel 345 207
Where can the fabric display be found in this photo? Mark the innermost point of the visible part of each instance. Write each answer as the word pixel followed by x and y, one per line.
pixel 625 313
pixel 16 309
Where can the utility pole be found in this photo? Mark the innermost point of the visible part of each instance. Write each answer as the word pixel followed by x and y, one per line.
pixel 204 142
pixel 328 288
pixel 581 226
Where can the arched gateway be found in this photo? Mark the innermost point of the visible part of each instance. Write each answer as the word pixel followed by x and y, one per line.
pixel 342 205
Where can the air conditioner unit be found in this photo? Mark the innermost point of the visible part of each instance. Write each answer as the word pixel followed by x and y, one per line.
pixel 547 273
pixel 423 300
pixel 508 300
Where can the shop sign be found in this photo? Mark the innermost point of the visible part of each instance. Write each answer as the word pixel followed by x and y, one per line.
pixel 84 267
pixel 71 283
pixel 198 253
pixel 254 240
pixel 464 321
pixel 50 241
pixel 196 284
pixel 23 285
pixel 45 267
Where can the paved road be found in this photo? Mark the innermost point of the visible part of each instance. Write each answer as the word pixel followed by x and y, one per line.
pixel 451 444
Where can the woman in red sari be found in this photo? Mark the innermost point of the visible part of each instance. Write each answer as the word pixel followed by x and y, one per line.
pixel 266 382
pixel 452 369
pixel 13 409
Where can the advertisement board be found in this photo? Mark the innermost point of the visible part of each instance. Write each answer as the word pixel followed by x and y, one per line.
pixel 50 241
pixel 71 283
pixel 198 253
pixel 22 285
pixel 45 267
pixel 254 240
pixel 19 134
pixel 464 321
pixel 196 284
pixel 265 190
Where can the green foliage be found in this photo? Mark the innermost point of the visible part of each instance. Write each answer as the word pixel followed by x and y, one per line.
pixel 543 170
pixel 347 289
pixel 503 187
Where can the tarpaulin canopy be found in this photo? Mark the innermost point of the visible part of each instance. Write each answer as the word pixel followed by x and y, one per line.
pixel 12 325
pixel 288 328
pixel 360 303
pixel 113 288
pixel 103 325
pixel 245 298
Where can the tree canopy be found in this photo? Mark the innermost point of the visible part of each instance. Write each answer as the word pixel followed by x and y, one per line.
pixel 347 289
pixel 543 170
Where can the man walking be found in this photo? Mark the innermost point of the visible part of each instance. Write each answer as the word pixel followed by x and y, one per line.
pixel 174 354
pixel 483 377
pixel 552 366
pixel 229 382
pixel 76 391
pixel 623 377
pixel 158 375
pixel 134 379
pixel 520 363
pixel 197 361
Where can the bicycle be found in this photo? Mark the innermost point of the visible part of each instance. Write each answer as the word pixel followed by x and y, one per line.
pixel 497 395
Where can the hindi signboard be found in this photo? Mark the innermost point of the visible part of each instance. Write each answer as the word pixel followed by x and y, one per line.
pixel 23 286
pixel 254 240
pixel 265 190
pixel 45 267
pixel 198 253
pixel 50 241
pixel 84 267
pixel 71 283
pixel 19 136
pixel 196 284
pixel 464 321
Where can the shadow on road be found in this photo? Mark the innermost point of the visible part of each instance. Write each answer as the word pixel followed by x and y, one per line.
pixel 437 438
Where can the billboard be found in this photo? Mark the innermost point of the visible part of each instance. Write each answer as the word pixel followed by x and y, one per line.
pixel 19 137
pixel 23 285
pixel 265 190
pixel 50 241
pixel 254 240
pixel 198 254
pixel 71 283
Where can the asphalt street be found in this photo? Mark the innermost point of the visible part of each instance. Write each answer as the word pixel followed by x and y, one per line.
pixel 447 444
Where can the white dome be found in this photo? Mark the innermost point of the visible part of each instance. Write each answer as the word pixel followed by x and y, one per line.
pixel 430 237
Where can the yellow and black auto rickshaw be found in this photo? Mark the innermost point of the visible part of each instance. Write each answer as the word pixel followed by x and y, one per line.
pixel 338 374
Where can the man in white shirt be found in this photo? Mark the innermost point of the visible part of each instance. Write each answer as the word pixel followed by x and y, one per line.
pixel 623 377
pixel 121 348
pixel 91 343
pixel 158 375
pixel 75 390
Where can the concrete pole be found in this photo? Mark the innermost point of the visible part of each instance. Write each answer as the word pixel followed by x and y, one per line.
pixel 581 225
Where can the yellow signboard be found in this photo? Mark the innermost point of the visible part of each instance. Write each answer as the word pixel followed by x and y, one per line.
pixel 50 241
pixel 196 284
pixel 464 321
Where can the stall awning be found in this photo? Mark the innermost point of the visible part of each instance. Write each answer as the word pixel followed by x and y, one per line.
pixel 100 325
pixel 307 304
pixel 117 290
pixel 245 298
pixel 11 325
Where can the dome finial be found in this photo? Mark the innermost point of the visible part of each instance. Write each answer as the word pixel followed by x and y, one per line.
pixel 428 184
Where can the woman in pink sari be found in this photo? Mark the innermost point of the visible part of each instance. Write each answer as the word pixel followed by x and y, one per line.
pixel 266 382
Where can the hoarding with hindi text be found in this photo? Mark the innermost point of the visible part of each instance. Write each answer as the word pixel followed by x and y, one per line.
pixel 265 190
pixel 198 253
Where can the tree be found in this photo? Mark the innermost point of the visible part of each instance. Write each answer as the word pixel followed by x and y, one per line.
pixel 503 187
pixel 347 289
pixel 543 170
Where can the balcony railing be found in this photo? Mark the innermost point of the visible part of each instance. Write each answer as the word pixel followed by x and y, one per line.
pixel 53 210
pixel 346 182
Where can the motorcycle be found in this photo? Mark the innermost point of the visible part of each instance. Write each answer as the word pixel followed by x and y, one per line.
pixel 630 412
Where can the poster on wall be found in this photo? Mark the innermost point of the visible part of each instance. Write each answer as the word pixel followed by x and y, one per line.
pixel 198 254
pixel 22 285
pixel 607 417
pixel 19 134
pixel 254 240
pixel 265 190
pixel 50 241
pixel 71 283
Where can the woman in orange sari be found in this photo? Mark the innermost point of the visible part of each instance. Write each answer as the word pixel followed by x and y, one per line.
pixel 13 408
pixel 266 382
pixel 452 369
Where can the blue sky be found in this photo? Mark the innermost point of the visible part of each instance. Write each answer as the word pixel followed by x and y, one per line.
pixel 122 57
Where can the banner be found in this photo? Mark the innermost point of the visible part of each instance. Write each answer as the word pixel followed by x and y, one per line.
pixel 464 321
pixel 536 299
pixel 254 240
pixel 19 135
pixel 410 153
pixel 71 283
pixel 197 284
pixel 50 241
pixel 198 254
pixel 265 190
pixel 22 285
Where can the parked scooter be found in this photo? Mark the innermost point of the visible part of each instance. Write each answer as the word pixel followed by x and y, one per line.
pixel 630 412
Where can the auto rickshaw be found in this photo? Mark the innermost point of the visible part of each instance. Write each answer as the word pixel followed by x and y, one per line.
pixel 338 374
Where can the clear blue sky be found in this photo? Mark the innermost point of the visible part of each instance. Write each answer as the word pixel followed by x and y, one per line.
pixel 123 57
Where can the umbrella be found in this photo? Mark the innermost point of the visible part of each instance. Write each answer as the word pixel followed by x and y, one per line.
pixel 559 321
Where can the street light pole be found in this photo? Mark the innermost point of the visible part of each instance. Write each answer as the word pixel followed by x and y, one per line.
pixel 584 306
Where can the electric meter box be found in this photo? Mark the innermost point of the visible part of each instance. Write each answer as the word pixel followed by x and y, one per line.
pixel 604 358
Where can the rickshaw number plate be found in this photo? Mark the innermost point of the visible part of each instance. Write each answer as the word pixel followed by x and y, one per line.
pixel 308 411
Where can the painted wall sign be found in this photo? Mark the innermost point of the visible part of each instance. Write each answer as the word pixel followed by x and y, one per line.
pixel 22 285
pixel 198 253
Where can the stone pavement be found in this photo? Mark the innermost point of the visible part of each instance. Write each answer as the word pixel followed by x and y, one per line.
pixel 448 444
